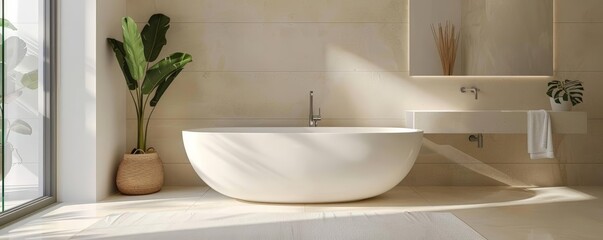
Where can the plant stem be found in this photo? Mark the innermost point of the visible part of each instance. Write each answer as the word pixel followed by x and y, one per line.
pixel 146 128
pixel 146 101
pixel 135 103
pixel 8 130
pixel 141 137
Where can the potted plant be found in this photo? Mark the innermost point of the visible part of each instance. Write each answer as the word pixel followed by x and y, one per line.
pixel 141 171
pixel 565 94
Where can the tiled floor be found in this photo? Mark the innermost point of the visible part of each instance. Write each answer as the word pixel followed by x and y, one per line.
pixel 494 212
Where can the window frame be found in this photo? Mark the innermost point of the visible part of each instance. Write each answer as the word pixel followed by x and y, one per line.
pixel 49 148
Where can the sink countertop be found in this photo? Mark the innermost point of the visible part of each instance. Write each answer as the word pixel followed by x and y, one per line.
pixel 490 121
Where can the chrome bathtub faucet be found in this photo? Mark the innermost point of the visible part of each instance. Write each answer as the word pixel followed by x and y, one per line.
pixel 313 118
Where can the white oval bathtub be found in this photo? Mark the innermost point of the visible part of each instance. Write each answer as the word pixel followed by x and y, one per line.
pixel 302 165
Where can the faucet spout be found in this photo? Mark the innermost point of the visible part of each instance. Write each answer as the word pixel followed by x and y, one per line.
pixel 473 90
pixel 313 119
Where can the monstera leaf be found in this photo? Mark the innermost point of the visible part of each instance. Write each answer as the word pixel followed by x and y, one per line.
pixel 30 80
pixel 20 126
pixel 134 48
pixel 163 69
pixel 153 36
pixel 15 51
pixel 568 90
pixel 120 54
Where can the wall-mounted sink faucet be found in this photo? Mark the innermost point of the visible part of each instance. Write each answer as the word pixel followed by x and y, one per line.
pixel 479 138
pixel 313 118
pixel 473 90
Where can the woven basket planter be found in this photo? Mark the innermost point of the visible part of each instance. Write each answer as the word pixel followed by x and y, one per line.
pixel 140 174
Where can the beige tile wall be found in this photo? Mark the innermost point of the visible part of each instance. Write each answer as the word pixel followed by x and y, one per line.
pixel 256 60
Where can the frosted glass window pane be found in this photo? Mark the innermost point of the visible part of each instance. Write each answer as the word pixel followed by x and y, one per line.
pixel 23 107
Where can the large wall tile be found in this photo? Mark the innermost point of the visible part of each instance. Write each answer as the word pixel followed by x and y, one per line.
pixel 284 10
pixel 592 82
pixel 446 175
pixel 578 47
pixel 372 95
pixel 166 135
pixel 285 95
pixel 140 10
pixel 484 175
pixel 583 148
pixel 291 46
pixel 585 174
pixel 498 149
pixel 257 11
pixel 578 11
pixel 181 175
pixel 238 95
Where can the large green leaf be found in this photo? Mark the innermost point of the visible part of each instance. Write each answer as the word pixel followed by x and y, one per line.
pixel 163 85
pixel 164 68
pixel 30 80
pixel 20 126
pixel 120 54
pixel 134 48
pixel 15 50
pixel 153 36
pixel 7 24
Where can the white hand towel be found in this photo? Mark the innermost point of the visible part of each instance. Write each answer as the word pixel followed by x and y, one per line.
pixel 540 137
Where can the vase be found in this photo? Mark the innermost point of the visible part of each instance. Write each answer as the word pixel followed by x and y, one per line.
pixel 140 174
pixel 564 106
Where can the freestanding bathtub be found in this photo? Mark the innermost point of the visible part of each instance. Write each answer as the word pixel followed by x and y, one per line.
pixel 302 165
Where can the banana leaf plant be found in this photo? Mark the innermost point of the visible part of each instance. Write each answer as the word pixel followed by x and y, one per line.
pixel 146 79
pixel 568 90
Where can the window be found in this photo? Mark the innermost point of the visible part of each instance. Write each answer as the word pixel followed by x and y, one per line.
pixel 27 107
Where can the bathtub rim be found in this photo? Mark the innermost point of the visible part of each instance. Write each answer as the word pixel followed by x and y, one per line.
pixel 300 130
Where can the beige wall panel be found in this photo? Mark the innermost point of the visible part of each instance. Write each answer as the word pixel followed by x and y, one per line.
pixel 255 61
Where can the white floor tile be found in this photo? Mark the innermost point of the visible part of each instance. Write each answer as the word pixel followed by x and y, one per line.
pixel 494 212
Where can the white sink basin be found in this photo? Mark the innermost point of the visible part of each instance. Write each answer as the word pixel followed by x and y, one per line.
pixel 503 121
